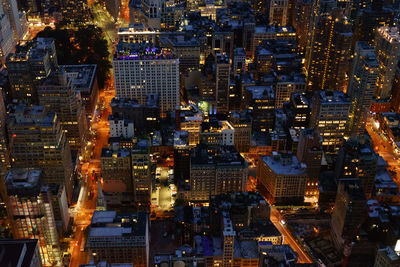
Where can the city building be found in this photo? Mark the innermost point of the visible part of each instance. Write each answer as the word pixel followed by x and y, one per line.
pixel 113 7
pixel 387 257
pixel 37 140
pixel 301 14
pixel 85 81
pixel 361 87
pixel 241 123
pixel 32 213
pixel 141 171
pixel 145 117
pixel 20 252
pixel 7 43
pixel 215 172
pixel 140 70
pixel 28 66
pixel 116 169
pixel 117 238
pixel 137 33
pixel 186 49
pixel 286 85
pixel 387 50
pixel 215 132
pixel 349 213
pixel 10 8
pixel 329 114
pixel 309 152
pixel 279 12
pixel 222 79
pixel 120 127
pixel 283 177
pixel 298 110
pixel 59 95
pixel 328 49
pixel 357 159
pixel 260 100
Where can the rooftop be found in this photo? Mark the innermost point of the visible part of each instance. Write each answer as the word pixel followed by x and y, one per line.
pixel 284 164
pixel 23 181
pixel 17 252
pixel 141 51
pixel 333 97
pixel 83 75
pixel 261 92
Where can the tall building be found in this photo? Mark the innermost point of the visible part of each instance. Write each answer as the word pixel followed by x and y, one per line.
pixel 32 213
pixel 7 41
pixel 216 171
pixel 222 79
pixel 28 66
pixel 376 14
pixel 349 212
pixel 330 112
pixel 58 94
pixel 4 151
pixel 298 110
pixel 279 12
pixel 261 101
pixel 116 160
pixel 117 238
pixel 241 123
pixel 301 14
pixel 387 257
pixel 283 177
pixel 20 252
pixel 361 87
pixel 387 50
pixel 36 139
pixel 328 50
pixel 357 159
pixel 141 171
pixel 309 152
pixel 140 70
pixel 10 8
pixel 215 132
pixel 286 85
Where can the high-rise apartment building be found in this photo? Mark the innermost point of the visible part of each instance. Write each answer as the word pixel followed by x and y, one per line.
pixel 330 112
pixel 309 152
pixel 283 177
pixel 357 159
pixel 7 42
pixel 349 212
pixel 140 70
pixel 32 213
pixel 58 94
pixel 216 171
pixel 361 87
pixel 387 50
pixel 328 50
pixel 222 79
pixel 279 12
pixel 37 140
pixel 117 238
pixel 28 66
pixel 141 171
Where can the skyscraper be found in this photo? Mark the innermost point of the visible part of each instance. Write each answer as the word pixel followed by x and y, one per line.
pixel 58 94
pixel 32 213
pixel 7 42
pixel 222 79
pixel 140 70
pixel 11 10
pixel 141 171
pixel 328 50
pixel 387 50
pixel 361 87
pixel 349 212
pixel 330 111
pixel 279 12
pixel 37 140
pixel 357 159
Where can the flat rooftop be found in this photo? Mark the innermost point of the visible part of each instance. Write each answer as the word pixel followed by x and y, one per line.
pixel 284 164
